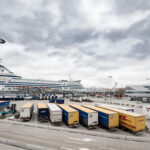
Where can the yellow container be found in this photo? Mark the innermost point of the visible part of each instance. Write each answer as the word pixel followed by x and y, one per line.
pixel 130 120
pixel 70 115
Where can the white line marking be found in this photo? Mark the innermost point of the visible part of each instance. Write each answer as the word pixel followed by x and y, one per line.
pixel 66 148
pixel 105 148
pixel 83 140
pixel 73 142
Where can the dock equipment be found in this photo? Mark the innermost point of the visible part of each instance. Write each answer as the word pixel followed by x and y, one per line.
pixel 87 116
pixel 26 111
pixel 130 120
pixel 55 113
pixel 106 118
pixel 53 99
pixel 43 112
pixel 70 115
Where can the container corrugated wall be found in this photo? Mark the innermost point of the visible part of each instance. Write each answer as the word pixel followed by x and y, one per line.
pixel 128 120
pixel 70 115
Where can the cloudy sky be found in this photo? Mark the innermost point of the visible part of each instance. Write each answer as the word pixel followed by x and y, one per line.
pixel 86 40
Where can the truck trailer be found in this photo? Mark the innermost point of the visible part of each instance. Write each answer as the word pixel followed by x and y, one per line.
pixel 87 116
pixel 106 118
pixel 130 120
pixel 55 113
pixel 60 101
pixel 43 112
pixel 70 115
pixel 26 111
pixel 4 104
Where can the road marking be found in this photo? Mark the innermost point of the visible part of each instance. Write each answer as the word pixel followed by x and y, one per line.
pixel 73 142
pixel 105 148
pixel 66 148
pixel 83 140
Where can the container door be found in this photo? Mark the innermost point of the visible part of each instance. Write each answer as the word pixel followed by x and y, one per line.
pixel 93 119
pixel 57 116
pixel 140 123
pixel 24 113
pixel 113 120
pixel 73 118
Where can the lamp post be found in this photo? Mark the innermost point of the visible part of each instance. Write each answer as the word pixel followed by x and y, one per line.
pixel 2 41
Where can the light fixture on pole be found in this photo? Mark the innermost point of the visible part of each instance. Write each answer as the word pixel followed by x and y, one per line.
pixel 2 41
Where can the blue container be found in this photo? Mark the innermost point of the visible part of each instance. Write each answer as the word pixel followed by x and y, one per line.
pixel 60 101
pixel 103 118
pixel 87 116
pixel 70 115
pixel 43 112
pixel 4 104
pixel 51 100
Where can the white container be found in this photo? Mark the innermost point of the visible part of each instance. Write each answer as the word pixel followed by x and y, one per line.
pixel 55 113
pixel 119 107
pixel 26 111
pixel 93 119
pixel 146 111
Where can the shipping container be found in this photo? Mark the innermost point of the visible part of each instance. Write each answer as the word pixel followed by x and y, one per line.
pixel 70 115
pixel 130 120
pixel 60 101
pixel 119 107
pixel 146 111
pixel 106 118
pixel 87 116
pixel 4 104
pixel 42 112
pixel 51 100
pixel 26 111
pixel 55 113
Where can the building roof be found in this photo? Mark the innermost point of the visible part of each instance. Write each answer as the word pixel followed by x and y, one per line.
pixel 138 88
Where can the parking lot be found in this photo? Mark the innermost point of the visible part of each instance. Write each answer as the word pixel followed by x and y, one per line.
pixel 34 119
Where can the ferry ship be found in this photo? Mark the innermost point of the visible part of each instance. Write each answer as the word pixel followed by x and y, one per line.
pixel 12 82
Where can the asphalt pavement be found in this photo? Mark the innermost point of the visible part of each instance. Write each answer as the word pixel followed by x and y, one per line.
pixel 59 140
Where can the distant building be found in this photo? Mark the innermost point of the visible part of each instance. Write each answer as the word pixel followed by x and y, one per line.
pixel 142 91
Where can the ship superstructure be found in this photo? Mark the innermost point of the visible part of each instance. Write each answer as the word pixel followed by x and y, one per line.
pixel 11 82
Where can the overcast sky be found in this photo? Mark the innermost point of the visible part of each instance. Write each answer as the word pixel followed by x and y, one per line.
pixel 86 40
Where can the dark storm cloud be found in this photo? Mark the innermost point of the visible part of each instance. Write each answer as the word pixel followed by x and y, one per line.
pixel 130 6
pixel 140 51
pixel 30 31
pixel 139 31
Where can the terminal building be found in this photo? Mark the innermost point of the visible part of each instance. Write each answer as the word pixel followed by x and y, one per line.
pixel 138 91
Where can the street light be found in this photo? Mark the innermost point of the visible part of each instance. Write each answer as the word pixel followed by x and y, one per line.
pixel 2 41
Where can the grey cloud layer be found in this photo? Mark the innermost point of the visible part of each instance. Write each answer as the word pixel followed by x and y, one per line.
pixel 62 30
